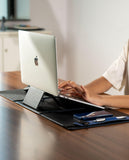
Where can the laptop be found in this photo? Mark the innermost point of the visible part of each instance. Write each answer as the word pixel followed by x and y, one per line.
pixel 39 64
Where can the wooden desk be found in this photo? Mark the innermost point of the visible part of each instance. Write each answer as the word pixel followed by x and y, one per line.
pixel 25 135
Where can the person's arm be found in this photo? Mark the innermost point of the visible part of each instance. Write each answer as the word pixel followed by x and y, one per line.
pixel 118 101
pixel 98 86
pixel 94 93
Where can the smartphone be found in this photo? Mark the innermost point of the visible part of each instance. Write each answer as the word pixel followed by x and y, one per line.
pixel 92 115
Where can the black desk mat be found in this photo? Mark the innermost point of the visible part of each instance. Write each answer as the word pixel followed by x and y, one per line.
pixel 57 110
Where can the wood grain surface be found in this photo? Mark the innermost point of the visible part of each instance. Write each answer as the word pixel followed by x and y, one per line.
pixel 25 135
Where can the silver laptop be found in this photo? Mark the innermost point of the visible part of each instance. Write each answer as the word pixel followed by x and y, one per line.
pixel 39 64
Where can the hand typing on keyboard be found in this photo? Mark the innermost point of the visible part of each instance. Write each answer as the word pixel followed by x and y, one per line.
pixel 71 89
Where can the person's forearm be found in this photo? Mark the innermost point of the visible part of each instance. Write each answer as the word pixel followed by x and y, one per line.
pixel 119 101
pixel 99 85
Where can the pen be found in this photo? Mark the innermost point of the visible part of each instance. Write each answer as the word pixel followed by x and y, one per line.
pixel 101 120
pixel 108 119
pixel 92 113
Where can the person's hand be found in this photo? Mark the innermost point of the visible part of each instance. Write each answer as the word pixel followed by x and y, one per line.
pixel 70 88
pixel 91 96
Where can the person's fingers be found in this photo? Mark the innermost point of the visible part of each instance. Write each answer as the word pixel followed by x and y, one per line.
pixel 62 84
pixel 76 87
pixel 67 91
pixel 65 83
pixel 84 93
pixel 65 88
pixel 83 89
pixel 72 89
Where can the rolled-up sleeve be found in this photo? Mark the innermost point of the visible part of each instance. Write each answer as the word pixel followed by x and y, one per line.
pixel 115 73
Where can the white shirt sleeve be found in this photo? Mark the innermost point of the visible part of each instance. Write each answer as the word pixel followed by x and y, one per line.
pixel 115 73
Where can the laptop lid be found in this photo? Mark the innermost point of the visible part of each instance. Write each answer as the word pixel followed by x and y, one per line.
pixel 38 61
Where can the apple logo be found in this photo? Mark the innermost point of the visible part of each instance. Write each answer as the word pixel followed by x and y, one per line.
pixel 36 61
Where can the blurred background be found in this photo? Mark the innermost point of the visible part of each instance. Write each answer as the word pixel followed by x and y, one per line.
pixel 90 33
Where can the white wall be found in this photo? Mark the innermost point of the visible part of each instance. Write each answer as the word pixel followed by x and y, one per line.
pixel 90 33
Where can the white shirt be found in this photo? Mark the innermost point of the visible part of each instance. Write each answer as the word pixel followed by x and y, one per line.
pixel 117 73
